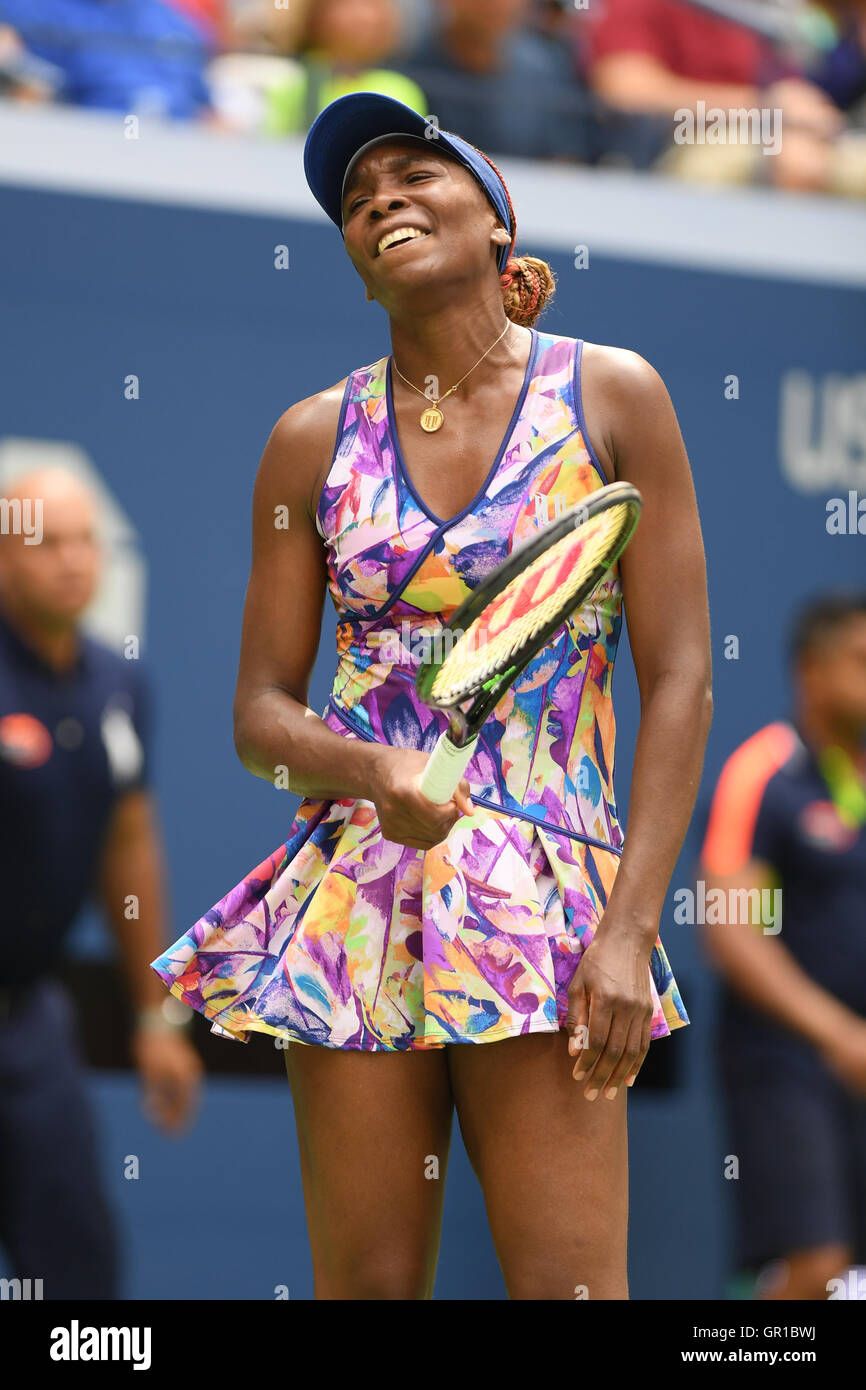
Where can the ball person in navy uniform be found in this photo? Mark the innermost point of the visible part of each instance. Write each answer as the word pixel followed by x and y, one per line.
pixel 788 819
pixel 78 824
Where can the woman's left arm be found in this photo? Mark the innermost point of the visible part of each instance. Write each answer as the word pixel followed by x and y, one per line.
pixel 664 583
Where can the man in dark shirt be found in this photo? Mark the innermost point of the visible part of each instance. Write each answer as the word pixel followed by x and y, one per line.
pixel 504 86
pixel 77 823
pixel 788 827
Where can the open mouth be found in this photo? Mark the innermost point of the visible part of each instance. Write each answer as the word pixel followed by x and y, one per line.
pixel 401 236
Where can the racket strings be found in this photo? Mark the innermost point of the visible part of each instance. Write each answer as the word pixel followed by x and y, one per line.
pixel 535 598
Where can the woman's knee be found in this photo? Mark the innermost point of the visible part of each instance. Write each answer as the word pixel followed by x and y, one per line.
pixel 582 1274
pixel 378 1274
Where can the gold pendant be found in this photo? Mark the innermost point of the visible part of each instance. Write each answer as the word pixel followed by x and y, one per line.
pixel 432 419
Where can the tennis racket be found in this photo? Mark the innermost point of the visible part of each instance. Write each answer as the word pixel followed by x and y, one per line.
pixel 511 616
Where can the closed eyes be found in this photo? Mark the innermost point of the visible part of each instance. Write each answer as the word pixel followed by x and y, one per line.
pixel 410 178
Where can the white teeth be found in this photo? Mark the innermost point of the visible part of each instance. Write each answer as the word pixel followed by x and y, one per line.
pixel 399 234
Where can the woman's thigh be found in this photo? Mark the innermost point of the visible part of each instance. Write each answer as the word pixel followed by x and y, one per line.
pixel 374 1130
pixel 552 1165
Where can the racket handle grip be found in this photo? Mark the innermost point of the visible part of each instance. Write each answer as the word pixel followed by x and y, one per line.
pixel 444 769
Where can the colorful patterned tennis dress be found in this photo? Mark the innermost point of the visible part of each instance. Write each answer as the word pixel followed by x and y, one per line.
pixel 346 939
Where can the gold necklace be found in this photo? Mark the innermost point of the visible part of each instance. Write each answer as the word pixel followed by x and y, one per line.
pixel 432 418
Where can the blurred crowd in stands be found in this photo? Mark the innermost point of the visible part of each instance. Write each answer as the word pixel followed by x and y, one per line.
pixel 597 82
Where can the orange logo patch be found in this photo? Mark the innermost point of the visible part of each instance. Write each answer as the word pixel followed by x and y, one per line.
pixel 24 740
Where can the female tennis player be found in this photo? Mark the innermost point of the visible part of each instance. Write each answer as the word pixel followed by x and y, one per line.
pixel 498 953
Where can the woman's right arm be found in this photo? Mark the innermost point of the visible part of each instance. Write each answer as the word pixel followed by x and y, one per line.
pixel 275 731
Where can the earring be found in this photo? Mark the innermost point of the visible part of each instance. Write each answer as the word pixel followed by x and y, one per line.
pixel 370 297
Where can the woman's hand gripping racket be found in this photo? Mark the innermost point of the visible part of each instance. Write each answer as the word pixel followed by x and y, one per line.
pixel 511 616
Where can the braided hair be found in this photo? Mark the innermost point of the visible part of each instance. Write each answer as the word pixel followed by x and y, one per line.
pixel 528 284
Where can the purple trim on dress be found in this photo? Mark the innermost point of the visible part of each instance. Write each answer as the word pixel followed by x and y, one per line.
pixel 344 405
pixel 397 452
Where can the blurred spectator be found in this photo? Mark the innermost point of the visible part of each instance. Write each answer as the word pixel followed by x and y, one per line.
pixel 23 76
pixel 552 17
pixel 669 55
pixel 130 55
pixel 339 46
pixel 501 83
pixel 257 25
pixel 785 856
pixel 841 72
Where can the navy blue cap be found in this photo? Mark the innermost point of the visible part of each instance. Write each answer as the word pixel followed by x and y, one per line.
pixel 350 123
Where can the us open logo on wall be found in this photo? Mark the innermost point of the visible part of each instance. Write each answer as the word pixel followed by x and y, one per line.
pixel 822 431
